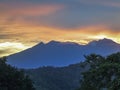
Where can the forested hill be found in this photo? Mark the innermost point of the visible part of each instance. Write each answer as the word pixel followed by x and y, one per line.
pixel 56 78
pixel 96 73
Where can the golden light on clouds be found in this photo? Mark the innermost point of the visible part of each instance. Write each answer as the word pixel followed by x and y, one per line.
pixel 26 23
pixel 33 34
pixel 8 48
pixel 23 37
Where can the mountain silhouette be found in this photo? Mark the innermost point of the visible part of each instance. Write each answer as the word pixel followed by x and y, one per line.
pixel 59 54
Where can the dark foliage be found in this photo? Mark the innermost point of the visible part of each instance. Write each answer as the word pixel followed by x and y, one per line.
pixel 57 78
pixel 13 79
pixel 104 73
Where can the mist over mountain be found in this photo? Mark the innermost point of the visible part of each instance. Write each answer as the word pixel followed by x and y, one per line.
pixel 60 54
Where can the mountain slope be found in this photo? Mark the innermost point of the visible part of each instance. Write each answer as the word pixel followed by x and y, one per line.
pixel 60 54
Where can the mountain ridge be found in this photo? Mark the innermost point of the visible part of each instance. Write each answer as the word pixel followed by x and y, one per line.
pixel 55 53
pixel 104 41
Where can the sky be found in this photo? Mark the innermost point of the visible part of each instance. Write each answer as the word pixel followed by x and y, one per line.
pixel 25 23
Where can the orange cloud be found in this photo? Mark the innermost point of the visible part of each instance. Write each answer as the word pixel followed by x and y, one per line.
pixel 28 35
pixel 26 9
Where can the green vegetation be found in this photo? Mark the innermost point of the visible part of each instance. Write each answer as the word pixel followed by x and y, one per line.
pixel 103 74
pixel 13 79
pixel 96 73
pixel 57 78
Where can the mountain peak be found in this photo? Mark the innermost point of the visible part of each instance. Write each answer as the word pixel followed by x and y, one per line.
pixel 53 42
pixel 104 41
pixel 61 43
pixel 56 53
pixel 41 43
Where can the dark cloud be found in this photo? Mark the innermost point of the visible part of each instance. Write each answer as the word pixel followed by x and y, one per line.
pixel 4 36
pixel 76 13
pixel 5 52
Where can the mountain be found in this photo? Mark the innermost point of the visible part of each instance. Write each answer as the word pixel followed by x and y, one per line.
pixel 60 54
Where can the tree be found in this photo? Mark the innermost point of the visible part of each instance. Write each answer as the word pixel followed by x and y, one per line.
pixel 104 76
pixel 13 79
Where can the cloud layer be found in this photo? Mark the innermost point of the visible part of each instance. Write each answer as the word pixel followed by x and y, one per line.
pixel 30 21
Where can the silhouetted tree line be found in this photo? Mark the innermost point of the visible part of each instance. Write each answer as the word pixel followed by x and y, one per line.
pixel 13 79
pixel 103 74
pixel 56 78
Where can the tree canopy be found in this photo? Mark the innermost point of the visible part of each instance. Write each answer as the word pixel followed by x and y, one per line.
pixel 13 79
pixel 104 73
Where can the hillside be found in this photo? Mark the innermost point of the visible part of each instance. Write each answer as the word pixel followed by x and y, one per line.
pixel 55 78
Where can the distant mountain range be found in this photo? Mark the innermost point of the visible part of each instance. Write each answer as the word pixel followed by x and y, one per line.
pixel 60 54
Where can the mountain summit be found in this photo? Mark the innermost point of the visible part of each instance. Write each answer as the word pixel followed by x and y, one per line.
pixel 104 41
pixel 56 53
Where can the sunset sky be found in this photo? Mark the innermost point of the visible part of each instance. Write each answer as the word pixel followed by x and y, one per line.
pixel 24 23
